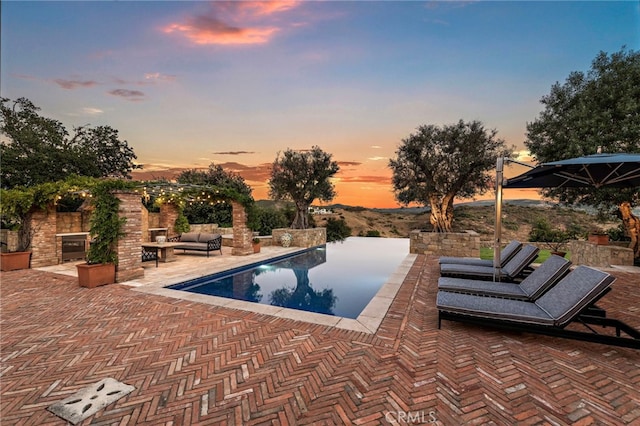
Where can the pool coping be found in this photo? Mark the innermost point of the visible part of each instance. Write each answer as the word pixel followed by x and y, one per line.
pixel 368 321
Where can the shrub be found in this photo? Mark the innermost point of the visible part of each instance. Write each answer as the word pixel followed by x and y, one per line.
pixel 372 233
pixel 337 230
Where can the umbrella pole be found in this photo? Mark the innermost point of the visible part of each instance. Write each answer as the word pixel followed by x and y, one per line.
pixel 498 220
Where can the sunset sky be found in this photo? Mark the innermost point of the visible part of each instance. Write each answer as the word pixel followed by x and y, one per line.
pixel 191 83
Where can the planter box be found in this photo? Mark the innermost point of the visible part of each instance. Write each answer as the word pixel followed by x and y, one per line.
pixel 16 260
pixel 599 239
pixel 92 276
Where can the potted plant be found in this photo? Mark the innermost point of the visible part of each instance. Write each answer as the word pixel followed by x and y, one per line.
pixel 106 229
pixel 256 245
pixel 598 236
pixel 18 206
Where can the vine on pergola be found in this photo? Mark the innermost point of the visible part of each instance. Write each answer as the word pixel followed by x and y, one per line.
pixel 184 194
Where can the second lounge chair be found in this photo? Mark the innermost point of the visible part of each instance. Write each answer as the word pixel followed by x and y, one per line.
pixel 509 272
pixel 531 288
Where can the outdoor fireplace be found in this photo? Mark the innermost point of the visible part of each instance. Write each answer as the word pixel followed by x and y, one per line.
pixel 73 246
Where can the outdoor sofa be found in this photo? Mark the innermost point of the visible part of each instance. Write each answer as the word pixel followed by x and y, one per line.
pixel 531 288
pixel 570 301
pixel 505 255
pixel 197 242
pixel 511 271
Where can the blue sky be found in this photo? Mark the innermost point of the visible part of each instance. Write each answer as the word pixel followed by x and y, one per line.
pixel 190 83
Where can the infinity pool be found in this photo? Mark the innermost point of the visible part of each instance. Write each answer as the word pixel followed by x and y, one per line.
pixel 336 279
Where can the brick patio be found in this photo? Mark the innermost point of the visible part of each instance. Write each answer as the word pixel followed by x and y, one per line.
pixel 192 363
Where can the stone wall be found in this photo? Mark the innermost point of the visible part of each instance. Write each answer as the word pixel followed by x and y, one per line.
pixel 71 222
pixel 10 240
pixel 462 244
pixel 208 228
pixel 242 235
pixel 43 243
pixel 311 237
pixel 129 251
pixel 168 215
pixel 602 256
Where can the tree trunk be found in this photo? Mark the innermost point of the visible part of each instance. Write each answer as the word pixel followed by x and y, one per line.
pixel 441 216
pixel 300 221
pixel 632 226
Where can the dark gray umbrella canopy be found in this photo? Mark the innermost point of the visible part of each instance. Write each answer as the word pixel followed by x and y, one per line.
pixel 598 170
pixel 614 170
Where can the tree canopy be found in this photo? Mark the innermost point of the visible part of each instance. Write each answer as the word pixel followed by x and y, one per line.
pixel 437 164
pixel 302 177
pixel 216 176
pixel 596 110
pixel 38 149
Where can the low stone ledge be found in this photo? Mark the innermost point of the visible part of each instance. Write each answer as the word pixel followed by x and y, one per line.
pixel 463 244
pixel 311 237
pixel 590 254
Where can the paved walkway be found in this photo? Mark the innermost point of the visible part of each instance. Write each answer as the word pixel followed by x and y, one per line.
pixel 194 363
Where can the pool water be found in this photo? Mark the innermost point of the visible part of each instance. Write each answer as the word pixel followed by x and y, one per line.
pixel 336 279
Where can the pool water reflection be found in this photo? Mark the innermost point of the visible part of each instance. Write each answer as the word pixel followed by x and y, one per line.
pixel 337 279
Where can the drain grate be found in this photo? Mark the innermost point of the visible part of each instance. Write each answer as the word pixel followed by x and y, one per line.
pixel 88 401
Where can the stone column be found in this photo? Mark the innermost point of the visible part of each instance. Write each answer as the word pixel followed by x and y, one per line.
pixel 43 243
pixel 242 235
pixel 168 215
pixel 129 246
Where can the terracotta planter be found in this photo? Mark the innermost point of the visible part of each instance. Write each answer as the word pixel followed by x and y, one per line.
pixel 92 276
pixel 599 239
pixel 256 247
pixel 15 260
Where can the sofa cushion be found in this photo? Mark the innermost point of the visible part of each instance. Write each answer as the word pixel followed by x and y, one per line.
pixel 189 237
pixel 192 246
pixel 203 238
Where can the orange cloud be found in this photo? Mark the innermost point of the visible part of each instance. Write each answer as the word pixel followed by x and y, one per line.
pixel 232 23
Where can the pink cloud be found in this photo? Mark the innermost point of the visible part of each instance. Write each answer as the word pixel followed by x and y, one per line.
pixel 74 84
pixel 232 23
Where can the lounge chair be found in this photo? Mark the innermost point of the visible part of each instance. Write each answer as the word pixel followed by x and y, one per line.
pixel 571 300
pixel 505 255
pixel 531 288
pixel 510 272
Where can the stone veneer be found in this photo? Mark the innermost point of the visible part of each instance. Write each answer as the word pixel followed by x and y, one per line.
pixel 311 237
pixel 242 235
pixel 463 244
pixel 129 255
pixel 168 215
pixel 590 254
pixel 10 238
pixel 43 243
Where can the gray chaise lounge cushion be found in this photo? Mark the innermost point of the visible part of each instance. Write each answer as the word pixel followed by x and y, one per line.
pixel 505 255
pixel 531 288
pixel 557 307
pixel 514 267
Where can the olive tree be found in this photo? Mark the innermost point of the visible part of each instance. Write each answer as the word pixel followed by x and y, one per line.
pixel 302 177
pixel 436 164
pixel 597 110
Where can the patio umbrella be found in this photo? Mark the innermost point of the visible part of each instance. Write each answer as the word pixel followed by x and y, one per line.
pixel 621 170
pixel 615 170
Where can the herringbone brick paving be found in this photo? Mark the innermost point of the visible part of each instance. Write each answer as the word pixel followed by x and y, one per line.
pixel 204 365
